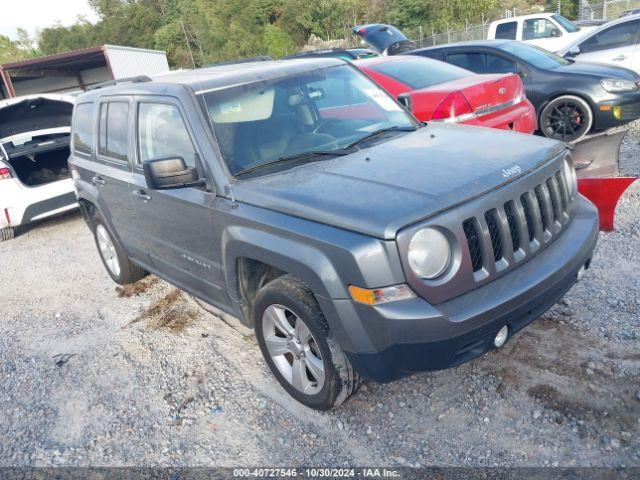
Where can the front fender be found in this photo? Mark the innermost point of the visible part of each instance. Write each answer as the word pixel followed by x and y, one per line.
pixel 306 262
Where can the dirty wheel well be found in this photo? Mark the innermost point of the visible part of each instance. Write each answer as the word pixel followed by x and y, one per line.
pixel 252 276
pixel 87 209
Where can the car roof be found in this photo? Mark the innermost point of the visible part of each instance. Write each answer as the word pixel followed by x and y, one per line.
pixel 524 17
pixel 471 43
pixel 218 76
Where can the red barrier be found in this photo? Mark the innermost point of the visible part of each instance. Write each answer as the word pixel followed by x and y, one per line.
pixel 605 193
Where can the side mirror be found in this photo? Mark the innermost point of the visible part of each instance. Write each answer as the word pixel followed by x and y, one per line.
pixel 164 173
pixel 574 51
pixel 556 33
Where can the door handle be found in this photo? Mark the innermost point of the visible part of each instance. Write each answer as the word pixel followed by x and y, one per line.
pixel 98 180
pixel 141 195
pixel 620 58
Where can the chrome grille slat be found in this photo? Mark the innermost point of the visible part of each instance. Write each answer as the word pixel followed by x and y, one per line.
pixel 513 231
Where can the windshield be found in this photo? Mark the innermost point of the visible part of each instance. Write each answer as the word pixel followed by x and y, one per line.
pixel 319 111
pixel 566 24
pixel 536 56
pixel 419 72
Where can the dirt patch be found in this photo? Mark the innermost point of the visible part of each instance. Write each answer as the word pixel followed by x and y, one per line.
pixel 575 374
pixel 138 288
pixel 172 312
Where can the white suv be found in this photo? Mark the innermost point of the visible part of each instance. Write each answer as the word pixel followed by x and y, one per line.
pixel 34 148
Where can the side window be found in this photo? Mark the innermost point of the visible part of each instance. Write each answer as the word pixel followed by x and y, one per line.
pixel 474 61
pixel 536 28
pixel 113 138
pixel 498 64
pixel 620 35
pixel 162 133
pixel 507 30
pixel 83 127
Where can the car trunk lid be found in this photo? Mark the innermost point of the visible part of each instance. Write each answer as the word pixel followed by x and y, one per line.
pixel 33 113
pixel 385 39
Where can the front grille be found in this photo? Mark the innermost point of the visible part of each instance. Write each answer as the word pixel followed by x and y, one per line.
pixel 499 237
pixel 494 233
pixel 471 232
pixel 513 225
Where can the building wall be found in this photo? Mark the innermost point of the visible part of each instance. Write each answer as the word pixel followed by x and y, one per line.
pixel 130 62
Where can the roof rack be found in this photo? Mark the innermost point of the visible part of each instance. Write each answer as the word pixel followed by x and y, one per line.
pixel 260 58
pixel 110 83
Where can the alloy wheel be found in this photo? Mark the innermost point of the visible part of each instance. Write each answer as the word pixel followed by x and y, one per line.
pixel 107 250
pixel 565 120
pixel 293 349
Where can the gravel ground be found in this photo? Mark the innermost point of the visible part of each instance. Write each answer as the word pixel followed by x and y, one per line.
pixel 95 375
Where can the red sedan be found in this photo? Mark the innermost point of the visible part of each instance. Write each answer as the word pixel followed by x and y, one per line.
pixel 435 90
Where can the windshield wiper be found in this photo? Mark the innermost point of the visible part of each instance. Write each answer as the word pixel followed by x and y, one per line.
pixel 298 156
pixel 376 133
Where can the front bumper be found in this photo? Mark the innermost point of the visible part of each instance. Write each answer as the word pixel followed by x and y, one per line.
pixel 623 109
pixel 389 341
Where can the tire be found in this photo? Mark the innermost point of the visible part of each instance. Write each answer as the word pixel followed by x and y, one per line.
pixel 114 258
pixel 7 233
pixel 285 299
pixel 566 118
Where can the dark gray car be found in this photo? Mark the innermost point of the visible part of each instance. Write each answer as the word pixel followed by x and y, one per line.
pixel 301 198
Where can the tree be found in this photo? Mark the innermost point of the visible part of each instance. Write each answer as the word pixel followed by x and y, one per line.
pixel 277 42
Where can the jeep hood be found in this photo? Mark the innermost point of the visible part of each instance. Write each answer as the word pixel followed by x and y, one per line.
pixel 34 112
pixel 379 190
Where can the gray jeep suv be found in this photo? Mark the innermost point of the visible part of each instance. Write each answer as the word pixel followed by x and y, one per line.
pixel 301 198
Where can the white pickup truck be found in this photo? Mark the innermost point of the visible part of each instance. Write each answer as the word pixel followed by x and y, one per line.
pixel 547 30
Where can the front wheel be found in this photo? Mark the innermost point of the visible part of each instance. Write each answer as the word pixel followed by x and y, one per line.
pixel 566 118
pixel 296 343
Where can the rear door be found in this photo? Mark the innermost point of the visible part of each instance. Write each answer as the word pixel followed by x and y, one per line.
pixel 113 169
pixel 616 45
pixel 175 225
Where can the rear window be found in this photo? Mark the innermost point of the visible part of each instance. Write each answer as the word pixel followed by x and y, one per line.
pixel 113 140
pixel 420 72
pixel 482 62
pixel 83 127
pixel 507 31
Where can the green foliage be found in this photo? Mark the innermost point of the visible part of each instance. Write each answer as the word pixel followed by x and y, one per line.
pixel 205 31
pixel 277 42
pixel 14 51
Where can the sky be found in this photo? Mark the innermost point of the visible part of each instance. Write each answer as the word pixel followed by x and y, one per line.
pixel 37 14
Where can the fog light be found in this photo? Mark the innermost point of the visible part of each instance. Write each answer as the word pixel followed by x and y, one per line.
pixel 501 337
pixel 617 112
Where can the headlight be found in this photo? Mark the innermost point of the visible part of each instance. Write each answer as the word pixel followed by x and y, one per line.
pixel 429 253
pixel 615 85
pixel 570 175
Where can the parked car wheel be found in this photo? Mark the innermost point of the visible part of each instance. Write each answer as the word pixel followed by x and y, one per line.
pixel 566 118
pixel 296 342
pixel 114 258
pixel 7 233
